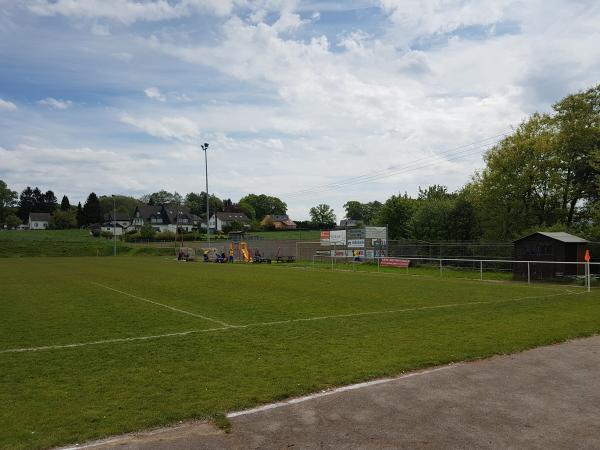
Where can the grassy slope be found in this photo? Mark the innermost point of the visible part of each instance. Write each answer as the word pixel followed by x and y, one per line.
pixel 60 396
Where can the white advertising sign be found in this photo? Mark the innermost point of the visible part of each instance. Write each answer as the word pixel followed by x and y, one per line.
pixel 337 237
pixel 356 243
pixel 375 232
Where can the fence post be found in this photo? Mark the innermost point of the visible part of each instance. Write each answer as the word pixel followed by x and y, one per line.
pixel 528 273
pixel 378 260
pixel 440 267
pixel 589 277
pixel 481 270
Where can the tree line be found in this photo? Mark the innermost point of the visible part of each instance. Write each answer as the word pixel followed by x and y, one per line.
pixel 545 175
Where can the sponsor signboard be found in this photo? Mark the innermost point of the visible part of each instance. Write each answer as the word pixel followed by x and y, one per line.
pixel 337 237
pixel 356 243
pixel 395 262
pixel 370 254
pixel 355 233
pixel 324 237
pixel 375 232
pixel 378 242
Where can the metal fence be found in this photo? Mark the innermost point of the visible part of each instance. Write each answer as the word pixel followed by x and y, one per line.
pixel 561 272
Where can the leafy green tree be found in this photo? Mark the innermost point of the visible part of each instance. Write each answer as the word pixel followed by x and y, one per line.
pixel 322 215
pixel 12 221
pixel 63 220
pixel 396 213
pixel 435 192
pixel 123 203
pixel 264 205
pixel 197 203
pixel 520 185
pixel 92 211
pixel 463 223
pixel 431 220
pixel 162 198
pixel 64 204
pixel 8 200
pixel 364 212
pixel 578 146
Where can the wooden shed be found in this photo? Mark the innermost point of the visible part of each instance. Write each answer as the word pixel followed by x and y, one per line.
pixel 550 246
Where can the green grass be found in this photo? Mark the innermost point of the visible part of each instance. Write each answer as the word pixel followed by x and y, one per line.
pixel 66 395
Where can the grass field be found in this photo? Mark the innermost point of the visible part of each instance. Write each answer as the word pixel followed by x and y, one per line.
pixel 96 346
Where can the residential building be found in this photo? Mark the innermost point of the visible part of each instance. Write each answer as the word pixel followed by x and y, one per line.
pixel 165 218
pixel 224 219
pixel 39 221
pixel 279 221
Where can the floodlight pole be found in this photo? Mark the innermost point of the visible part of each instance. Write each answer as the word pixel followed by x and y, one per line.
pixel 205 148
pixel 114 226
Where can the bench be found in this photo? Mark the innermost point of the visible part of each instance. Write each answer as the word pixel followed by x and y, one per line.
pixel 285 259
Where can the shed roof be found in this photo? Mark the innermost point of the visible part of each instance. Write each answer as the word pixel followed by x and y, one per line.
pixel 558 236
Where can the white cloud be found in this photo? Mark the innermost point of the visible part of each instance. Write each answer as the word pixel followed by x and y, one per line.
pixel 178 127
pixel 130 11
pixel 8 106
pixel 297 109
pixel 155 94
pixel 54 103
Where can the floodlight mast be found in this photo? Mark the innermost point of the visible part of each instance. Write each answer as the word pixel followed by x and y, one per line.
pixel 114 226
pixel 205 148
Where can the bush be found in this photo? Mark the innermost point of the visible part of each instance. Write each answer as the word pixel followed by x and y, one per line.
pixel 165 236
pixel 147 232
pixel 106 234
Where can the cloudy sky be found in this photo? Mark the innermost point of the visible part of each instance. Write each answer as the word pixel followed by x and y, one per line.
pixel 313 101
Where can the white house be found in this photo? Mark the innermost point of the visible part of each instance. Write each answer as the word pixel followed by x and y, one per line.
pixel 165 218
pixel 118 229
pixel 223 219
pixel 39 221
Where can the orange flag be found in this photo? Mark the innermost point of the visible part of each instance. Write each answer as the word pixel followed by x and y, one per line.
pixel 587 255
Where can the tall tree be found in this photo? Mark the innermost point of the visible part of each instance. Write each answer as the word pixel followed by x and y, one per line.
pixel 79 216
pixel 27 203
pixel 578 142
pixel 264 205
pixel 64 204
pixel 322 215
pixel 92 211
pixel 8 199
pixel 49 202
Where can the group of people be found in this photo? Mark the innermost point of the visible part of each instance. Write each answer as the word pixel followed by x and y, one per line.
pixel 221 258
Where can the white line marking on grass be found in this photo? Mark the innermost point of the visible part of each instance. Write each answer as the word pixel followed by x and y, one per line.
pixel 277 322
pixel 163 305
pixel 109 341
pixel 327 393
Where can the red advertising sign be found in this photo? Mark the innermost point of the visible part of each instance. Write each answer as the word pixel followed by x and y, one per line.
pixel 587 256
pixel 393 262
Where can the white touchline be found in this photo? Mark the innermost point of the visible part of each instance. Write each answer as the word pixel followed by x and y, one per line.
pixel 292 401
pixel 277 322
pixel 326 393
pixel 163 305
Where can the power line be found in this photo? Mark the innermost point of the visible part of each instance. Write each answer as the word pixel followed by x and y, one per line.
pixel 449 155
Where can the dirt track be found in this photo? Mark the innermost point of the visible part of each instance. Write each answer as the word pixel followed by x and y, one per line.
pixel 544 398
